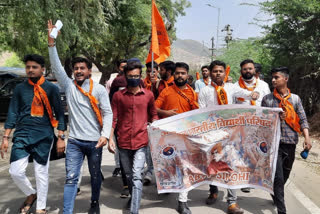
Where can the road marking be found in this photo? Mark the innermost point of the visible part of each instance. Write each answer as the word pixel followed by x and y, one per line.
pixel 305 201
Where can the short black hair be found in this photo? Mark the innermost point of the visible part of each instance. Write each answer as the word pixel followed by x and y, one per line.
pixel 246 61
pixel 284 70
pixel 205 66
pixel 217 62
pixel 258 67
pixel 169 66
pixel 131 66
pixel 81 59
pixel 190 77
pixel 182 65
pixel 155 65
pixel 121 61
pixel 35 58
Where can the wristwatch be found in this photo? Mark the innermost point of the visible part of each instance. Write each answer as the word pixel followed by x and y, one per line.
pixel 62 136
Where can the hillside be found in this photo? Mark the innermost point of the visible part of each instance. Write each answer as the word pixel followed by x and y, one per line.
pixel 190 51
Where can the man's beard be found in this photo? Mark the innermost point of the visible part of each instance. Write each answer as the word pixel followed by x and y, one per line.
pixel 180 83
pixel 247 76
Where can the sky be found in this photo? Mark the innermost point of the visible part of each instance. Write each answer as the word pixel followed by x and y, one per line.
pixel 200 21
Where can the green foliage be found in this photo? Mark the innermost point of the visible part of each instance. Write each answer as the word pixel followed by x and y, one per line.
pixel 14 61
pixel 240 50
pixel 102 30
pixel 294 41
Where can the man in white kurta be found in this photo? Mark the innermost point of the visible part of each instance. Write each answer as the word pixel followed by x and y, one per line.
pixel 220 93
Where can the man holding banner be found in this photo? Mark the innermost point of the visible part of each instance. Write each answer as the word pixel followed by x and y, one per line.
pixel 176 99
pixel 293 121
pixel 219 93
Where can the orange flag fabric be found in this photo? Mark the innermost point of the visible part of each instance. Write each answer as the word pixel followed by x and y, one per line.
pixel 227 74
pixel 160 43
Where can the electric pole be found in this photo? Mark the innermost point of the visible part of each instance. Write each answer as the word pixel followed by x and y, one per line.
pixel 212 48
pixel 228 37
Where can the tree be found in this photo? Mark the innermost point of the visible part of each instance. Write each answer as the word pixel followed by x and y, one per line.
pixel 294 41
pixel 102 30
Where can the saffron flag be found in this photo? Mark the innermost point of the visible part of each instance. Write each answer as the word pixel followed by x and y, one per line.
pixel 231 146
pixel 227 74
pixel 160 44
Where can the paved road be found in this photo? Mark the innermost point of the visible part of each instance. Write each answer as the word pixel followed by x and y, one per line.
pixel 256 202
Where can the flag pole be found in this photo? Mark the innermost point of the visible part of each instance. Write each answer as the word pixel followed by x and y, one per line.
pixel 152 65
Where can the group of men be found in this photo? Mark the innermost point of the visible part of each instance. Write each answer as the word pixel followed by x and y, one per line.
pixel 35 110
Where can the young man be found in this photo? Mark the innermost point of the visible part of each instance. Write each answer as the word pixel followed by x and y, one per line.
pixel 293 121
pixel 90 125
pixel 190 81
pixel 219 93
pixel 201 83
pixel 132 108
pixel 31 115
pixel 249 82
pixel 120 65
pixel 151 79
pixel 166 73
pixel 176 99
pixel 151 82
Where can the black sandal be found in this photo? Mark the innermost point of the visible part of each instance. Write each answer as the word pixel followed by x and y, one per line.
pixel 23 210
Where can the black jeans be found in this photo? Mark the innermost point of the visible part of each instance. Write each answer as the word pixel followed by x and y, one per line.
pixel 286 156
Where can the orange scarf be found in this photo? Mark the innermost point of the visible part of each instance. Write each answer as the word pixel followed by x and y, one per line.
pixel 147 82
pixel 222 94
pixel 206 81
pixel 193 104
pixel 292 118
pixel 169 82
pixel 243 85
pixel 93 101
pixel 40 97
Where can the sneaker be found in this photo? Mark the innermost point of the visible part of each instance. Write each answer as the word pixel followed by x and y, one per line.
pixel 212 198
pixel 246 190
pixel 183 208
pixel 94 208
pixel 125 192
pixel 79 191
pixel 235 209
pixel 116 172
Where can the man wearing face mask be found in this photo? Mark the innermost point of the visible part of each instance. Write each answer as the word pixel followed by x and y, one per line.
pixel 90 125
pixel 176 99
pixel 249 82
pixel 132 108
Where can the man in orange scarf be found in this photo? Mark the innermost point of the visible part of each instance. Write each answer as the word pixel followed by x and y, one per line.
pixel 151 79
pixel 293 121
pixel 166 73
pixel 219 93
pixel 201 83
pixel 176 99
pixel 250 83
pixel 31 114
pixel 90 124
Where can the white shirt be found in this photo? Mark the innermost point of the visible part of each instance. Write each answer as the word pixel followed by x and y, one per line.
pixel 262 87
pixel 199 84
pixel 208 95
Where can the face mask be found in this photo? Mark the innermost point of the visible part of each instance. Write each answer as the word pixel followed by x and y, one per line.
pixel 180 83
pixel 133 82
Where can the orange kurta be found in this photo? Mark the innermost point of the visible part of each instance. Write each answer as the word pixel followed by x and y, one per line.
pixel 169 99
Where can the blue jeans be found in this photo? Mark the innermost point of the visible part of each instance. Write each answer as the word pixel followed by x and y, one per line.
pixel 232 194
pixel 133 164
pixel 76 150
pixel 149 162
